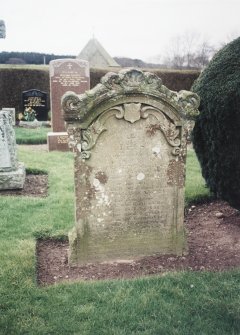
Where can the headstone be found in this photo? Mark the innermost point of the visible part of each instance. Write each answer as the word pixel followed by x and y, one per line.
pixel 12 112
pixel 65 75
pixel 128 135
pixel 12 172
pixel 37 101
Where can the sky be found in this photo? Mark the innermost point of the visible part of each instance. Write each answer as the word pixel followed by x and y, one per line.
pixel 140 29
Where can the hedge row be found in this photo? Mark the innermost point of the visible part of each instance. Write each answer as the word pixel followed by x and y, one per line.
pixel 15 80
pixel 175 80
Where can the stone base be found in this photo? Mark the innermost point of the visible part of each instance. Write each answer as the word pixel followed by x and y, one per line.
pixel 127 247
pixel 34 124
pixel 57 141
pixel 11 180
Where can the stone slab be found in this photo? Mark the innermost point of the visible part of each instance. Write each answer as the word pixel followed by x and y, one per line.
pixel 57 141
pixel 128 135
pixel 38 101
pixel 66 75
pixel 12 173
pixel 10 180
pixel 128 200
pixel 8 153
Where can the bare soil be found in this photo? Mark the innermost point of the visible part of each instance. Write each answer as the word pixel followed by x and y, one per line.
pixel 35 185
pixel 213 233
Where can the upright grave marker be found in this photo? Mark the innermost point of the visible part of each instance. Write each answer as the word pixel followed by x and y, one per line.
pixel 37 100
pixel 12 112
pixel 65 75
pixel 129 139
pixel 12 172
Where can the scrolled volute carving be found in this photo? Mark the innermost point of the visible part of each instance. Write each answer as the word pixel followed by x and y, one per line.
pixel 168 128
pixel 71 104
pixel 89 138
pixel 170 131
pixel 189 102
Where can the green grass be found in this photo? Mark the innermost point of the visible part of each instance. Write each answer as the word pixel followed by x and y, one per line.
pixel 31 136
pixel 179 303
pixel 196 190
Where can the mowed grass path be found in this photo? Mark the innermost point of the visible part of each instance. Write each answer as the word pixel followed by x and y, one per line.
pixel 176 303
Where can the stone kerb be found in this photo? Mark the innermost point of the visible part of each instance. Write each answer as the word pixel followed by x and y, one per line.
pixel 12 172
pixel 128 135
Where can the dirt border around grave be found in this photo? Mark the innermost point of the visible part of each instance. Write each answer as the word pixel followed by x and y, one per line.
pixel 213 234
pixel 35 185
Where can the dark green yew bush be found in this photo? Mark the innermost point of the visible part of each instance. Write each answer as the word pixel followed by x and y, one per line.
pixel 216 136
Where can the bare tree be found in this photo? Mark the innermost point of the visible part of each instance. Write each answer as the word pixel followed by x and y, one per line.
pixel 188 51
pixel 203 54
pixel 190 41
pixel 175 57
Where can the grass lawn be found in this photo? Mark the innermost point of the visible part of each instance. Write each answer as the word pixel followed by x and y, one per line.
pixel 174 303
pixel 31 136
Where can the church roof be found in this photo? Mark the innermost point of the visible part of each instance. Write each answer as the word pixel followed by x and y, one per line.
pixel 96 55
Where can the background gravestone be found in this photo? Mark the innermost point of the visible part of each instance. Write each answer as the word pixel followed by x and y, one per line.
pixel 37 100
pixel 129 139
pixel 65 75
pixel 12 172
pixel 12 112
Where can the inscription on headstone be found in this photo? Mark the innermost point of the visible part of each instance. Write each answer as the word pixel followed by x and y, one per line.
pixel 37 100
pixel 12 173
pixel 129 139
pixel 5 160
pixel 65 75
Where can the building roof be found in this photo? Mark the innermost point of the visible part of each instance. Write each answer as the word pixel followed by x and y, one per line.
pixel 96 55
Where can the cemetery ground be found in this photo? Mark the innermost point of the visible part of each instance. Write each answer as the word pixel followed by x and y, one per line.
pixel 168 302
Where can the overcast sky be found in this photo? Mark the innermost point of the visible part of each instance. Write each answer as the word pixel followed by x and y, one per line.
pixel 131 28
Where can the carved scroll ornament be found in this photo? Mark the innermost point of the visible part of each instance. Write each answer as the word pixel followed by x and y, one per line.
pixel 130 112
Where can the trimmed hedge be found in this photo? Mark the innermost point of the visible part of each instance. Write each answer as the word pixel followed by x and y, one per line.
pixel 16 79
pixel 216 136
pixel 175 80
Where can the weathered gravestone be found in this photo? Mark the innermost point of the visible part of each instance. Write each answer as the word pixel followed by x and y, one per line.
pixel 65 75
pixel 129 139
pixel 12 112
pixel 37 100
pixel 12 172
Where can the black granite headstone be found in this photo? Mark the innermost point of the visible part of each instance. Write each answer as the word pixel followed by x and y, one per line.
pixel 37 100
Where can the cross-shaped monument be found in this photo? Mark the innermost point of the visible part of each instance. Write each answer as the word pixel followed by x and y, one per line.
pixel 2 29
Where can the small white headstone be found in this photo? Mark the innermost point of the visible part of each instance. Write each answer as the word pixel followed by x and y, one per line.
pixel 12 112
